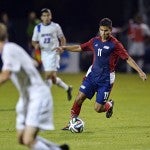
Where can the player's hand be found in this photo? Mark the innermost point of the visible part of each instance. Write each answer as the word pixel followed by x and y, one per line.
pixel 37 46
pixel 142 76
pixel 59 49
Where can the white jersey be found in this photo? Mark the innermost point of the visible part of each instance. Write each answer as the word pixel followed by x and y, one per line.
pixel 47 36
pixel 23 72
pixel 35 105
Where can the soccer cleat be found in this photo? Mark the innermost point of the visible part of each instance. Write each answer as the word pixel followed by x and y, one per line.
pixel 110 111
pixel 69 93
pixel 66 128
pixel 64 147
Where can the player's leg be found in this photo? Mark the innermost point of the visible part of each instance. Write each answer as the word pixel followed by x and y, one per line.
pixel 104 107
pixel 76 108
pixel 109 111
pixel 53 79
pixel 51 65
pixel 33 142
pixel 86 91
pixel 19 136
pixel 66 87
pixel 102 104
pixel 60 82
pixel 40 116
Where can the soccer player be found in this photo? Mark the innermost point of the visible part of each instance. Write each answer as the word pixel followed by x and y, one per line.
pixel 46 36
pixel 35 105
pixel 138 31
pixel 101 75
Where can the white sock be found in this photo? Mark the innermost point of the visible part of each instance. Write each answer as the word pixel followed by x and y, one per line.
pixel 60 83
pixel 39 145
pixel 44 144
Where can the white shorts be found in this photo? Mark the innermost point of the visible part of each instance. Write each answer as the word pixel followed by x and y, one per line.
pixel 37 111
pixel 50 61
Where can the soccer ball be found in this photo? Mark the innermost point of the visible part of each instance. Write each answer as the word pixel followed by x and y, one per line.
pixel 76 125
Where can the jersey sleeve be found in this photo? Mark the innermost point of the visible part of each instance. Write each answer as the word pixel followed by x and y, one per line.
pixel 59 31
pixel 10 61
pixel 121 51
pixel 88 46
pixel 35 34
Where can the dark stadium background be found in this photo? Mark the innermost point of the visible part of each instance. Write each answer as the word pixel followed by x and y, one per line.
pixel 78 18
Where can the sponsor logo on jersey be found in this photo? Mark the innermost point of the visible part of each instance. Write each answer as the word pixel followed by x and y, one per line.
pixel 106 47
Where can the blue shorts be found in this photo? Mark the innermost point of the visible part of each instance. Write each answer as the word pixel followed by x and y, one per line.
pixel 89 87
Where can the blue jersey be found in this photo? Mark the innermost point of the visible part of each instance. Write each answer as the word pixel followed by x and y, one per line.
pixel 106 55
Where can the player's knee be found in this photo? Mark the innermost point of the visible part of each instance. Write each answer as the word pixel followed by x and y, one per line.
pixel 20 140
pixel 98 109
pixel 53 79
pixel 28 141
pixel 19 137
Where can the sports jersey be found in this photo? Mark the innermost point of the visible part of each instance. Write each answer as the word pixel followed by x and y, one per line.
pixel 23 71
pixel 47 35
pixel 35 106
pixel 106 54
pixel 101 75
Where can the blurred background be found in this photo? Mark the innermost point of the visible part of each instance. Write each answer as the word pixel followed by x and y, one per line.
pixel 79 20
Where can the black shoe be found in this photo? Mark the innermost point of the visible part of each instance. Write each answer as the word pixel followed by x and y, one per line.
pixel 64 147
pixel 69 93
pixel 66 128
pixel 110 111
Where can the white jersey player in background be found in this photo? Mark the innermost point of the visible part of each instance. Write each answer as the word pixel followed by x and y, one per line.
pixel 46 36
pixel 35 105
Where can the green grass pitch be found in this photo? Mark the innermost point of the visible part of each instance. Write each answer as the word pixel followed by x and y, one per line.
pixel 128 129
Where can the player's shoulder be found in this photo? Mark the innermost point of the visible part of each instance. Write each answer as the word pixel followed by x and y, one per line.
pixel 9 45
pixel 10 48
pixel 114 39
pixel 39 24
pixel 94 38
pixel 54 24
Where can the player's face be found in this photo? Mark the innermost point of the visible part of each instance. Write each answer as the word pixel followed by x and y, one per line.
pixel 104 32
pixel 46 18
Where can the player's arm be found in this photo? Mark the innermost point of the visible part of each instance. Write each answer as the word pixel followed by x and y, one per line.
pixel 133 64
pixel 4 76
pixel 36 44
pixel 72 48
pixel 62 41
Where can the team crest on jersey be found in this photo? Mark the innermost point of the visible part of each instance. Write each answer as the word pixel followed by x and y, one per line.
pixel 106 47
pixel 82 87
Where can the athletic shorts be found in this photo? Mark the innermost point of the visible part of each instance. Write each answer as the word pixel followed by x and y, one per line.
pixel 36 111
pixel 89 88
pixel 50 61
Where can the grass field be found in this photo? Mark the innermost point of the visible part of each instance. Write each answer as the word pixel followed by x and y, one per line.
pixel 128 129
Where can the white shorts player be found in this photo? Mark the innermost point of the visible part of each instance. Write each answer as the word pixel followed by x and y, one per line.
pixel 47 36
pixel 35 105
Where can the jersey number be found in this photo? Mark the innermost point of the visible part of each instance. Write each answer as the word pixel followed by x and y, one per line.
pixel 47 40
pixel 106 95
pixel 99 53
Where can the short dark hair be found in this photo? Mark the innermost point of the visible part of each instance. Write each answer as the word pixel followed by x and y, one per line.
pixel 45 10
pixel 106 22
